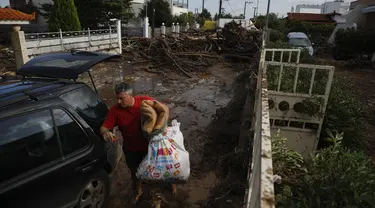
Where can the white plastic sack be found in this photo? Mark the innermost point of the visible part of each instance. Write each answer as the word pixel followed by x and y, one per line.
pixel 167 160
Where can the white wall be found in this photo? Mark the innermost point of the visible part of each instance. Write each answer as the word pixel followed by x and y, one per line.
pixel 136 7
pixel 328 7
pixel 97 40
pixel 339 7
pixel 178 10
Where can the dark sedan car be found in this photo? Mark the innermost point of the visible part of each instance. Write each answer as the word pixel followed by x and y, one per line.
pixel 51 153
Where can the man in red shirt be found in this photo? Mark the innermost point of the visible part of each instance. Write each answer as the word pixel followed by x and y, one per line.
pixel 126 115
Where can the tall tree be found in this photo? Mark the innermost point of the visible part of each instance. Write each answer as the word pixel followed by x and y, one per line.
pixel 92 13
pixel 184 18
pixel 206 14
pixel 162 12
pixel 64 16
pixel 29 8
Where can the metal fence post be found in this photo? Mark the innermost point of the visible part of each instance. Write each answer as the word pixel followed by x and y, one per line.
pixel 119 38
pixel 149 31
pixel 89 37
pixel 110 36
pixel 178 29
pixel 173 29
pixel 162 28
pixel 61 40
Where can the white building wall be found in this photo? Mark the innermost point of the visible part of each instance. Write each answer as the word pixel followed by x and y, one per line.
pixel 328 7
pixel 178 10
pixel 339 7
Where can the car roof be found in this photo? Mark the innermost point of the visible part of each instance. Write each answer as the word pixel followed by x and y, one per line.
pixel 15 93
pixel 297 35
pixel 65 65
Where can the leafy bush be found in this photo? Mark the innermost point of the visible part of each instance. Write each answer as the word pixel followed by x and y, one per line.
pixel 351 43
pixel 276 35
pixel 163 12
pixel 344 114
pixel 334 177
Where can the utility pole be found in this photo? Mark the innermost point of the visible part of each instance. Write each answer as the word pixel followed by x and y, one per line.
pixel 196 14
pixel 257 13
pixel 153 20
pixel 268 13
pixel 244 9
pixel 220 7
pixel 202 6
pixel 255 9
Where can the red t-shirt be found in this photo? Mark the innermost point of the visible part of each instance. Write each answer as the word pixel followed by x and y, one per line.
pixel 128 121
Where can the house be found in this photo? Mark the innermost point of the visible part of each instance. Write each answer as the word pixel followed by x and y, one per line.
pixel 10 18
pixel 14 19
pixel 177 7
pixel 328 7
pixel 330 18
pixel 367 18
pixel 361 14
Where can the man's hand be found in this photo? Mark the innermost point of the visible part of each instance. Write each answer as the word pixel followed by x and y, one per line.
pixel 108 136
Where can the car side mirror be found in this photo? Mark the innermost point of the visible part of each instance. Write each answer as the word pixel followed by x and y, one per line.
pixel 313 44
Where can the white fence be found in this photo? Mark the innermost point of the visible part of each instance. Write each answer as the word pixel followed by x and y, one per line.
pixel 107 40
pixel 260 192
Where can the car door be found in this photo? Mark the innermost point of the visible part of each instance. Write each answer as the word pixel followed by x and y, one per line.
pixel 84 155
pixel 30 161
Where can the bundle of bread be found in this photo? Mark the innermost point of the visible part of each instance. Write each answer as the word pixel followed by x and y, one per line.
pixel 154 117
pixel 167 160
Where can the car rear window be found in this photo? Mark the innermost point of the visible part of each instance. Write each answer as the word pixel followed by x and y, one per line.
pixel 86 102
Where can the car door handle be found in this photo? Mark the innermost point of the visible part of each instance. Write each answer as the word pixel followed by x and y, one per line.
pixel 86 167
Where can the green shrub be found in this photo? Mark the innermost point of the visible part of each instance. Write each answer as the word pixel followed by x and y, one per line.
pixel 335 177
pixel 351 42
pixel 344 114
pixel 64 16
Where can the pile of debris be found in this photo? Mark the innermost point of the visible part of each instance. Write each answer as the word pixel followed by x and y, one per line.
pixel 195 50
pixel 7 61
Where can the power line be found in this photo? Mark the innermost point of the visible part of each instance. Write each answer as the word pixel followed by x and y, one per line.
pixel 230 7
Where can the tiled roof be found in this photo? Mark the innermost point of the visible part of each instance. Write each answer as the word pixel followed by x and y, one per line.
pixel 15 15
pixel 310 17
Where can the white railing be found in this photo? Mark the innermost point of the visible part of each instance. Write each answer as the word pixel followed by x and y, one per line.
pixel 105 40
pixel 260 193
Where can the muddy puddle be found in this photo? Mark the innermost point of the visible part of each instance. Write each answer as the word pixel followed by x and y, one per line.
pixel 194 103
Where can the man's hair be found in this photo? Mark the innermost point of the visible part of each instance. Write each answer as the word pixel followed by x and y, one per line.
pixel 123 87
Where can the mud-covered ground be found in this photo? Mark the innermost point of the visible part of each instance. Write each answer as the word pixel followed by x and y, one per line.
pixel 209 108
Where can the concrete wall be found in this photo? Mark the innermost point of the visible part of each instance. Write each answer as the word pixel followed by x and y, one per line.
pixel 95 40
pixel 178 10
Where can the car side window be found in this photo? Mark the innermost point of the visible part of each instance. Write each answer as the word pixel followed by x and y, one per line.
pixel 86 102
pixel 72 137
pixel 27 142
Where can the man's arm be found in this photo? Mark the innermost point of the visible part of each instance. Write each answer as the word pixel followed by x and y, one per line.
pixel 107 135
pixel 109 124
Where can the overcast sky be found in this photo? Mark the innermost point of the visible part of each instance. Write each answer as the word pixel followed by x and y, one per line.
pixel 236 6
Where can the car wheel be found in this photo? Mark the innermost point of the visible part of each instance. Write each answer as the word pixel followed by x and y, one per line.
pixel 95 193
